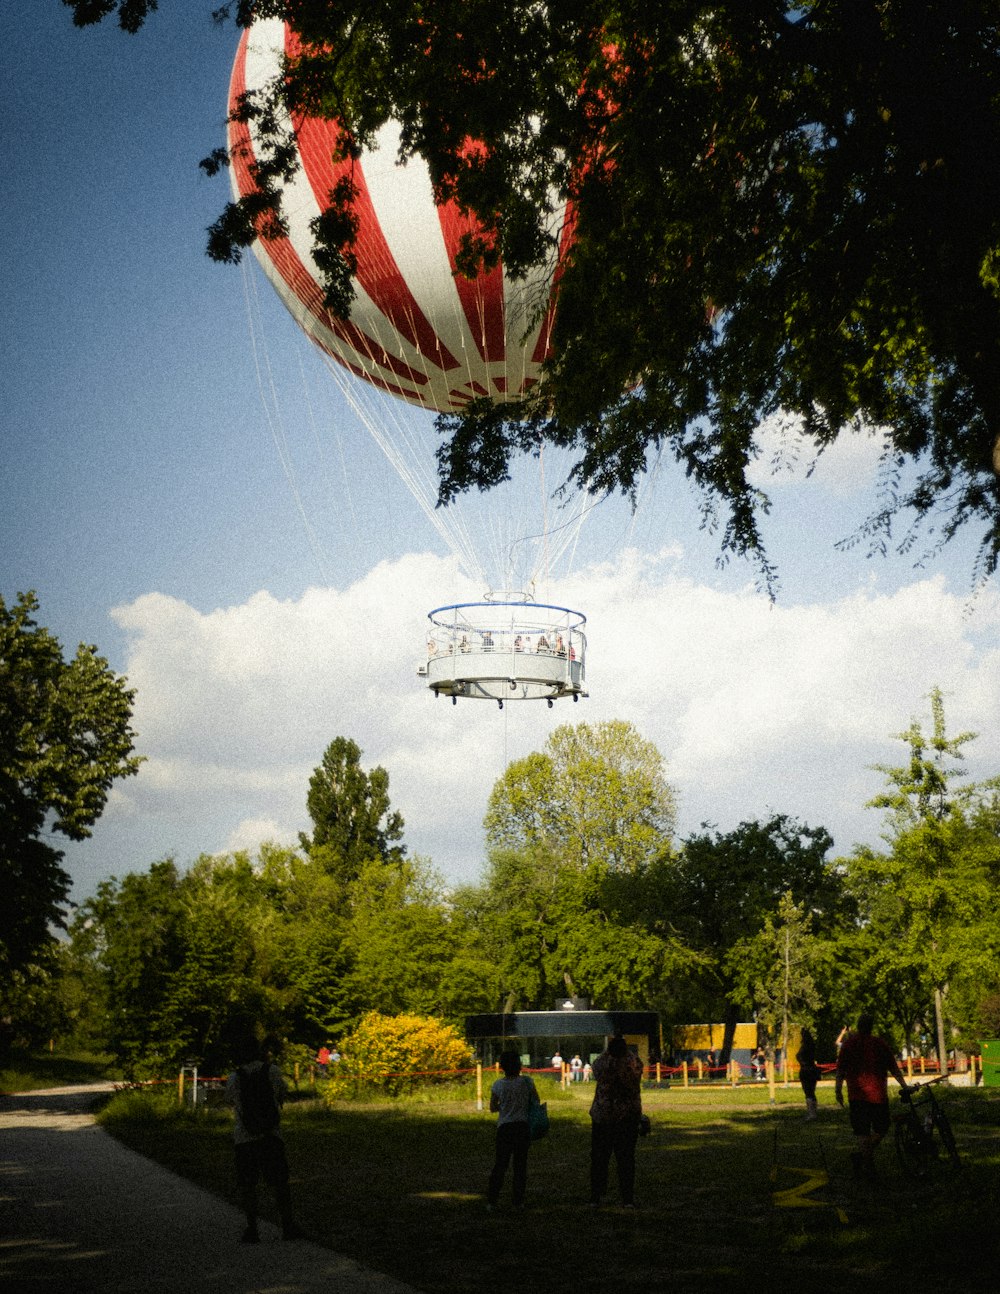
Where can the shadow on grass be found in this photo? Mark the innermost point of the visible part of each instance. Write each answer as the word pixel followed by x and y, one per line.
pixel 732 1191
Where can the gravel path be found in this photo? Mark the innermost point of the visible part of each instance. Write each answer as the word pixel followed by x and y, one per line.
pixel 84 1213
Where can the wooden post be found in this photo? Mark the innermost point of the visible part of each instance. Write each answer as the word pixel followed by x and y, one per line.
pixel 769 1065
pixel 657 1073
pixel 923 1065
pixel 479 1084
pixel 697 1061
pixel 734 1070
pixel 684 1071
pixel 180 1087
pixel 909 1065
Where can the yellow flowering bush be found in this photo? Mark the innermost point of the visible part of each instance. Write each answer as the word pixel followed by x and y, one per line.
pixel 395 1053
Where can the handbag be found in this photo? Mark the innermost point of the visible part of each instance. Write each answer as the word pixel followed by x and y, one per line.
pixel 538 1118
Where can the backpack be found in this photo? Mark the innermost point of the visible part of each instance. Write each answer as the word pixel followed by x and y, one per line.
pixel 258 1106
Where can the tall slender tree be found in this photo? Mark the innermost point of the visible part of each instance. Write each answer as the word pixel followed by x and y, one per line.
pixel 935 876
pixel 353 822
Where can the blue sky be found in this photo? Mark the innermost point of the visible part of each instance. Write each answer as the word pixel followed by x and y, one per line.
pixel 264 584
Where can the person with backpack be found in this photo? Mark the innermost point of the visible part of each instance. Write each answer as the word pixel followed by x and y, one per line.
pixel 256 1091
pixel 511 1097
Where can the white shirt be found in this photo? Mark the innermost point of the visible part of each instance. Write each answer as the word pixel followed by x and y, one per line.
pixel 510 1098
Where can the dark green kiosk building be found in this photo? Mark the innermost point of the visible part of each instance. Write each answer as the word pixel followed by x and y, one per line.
pixel 572 1029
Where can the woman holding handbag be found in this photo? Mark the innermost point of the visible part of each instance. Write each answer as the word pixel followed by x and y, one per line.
pixel 512 1098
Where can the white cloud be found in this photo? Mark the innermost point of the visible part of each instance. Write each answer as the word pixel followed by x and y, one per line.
pixel 251 833
pixel 785 457
pixel 757 708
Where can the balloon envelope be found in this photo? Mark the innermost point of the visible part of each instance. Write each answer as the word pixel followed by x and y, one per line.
pixel 417 329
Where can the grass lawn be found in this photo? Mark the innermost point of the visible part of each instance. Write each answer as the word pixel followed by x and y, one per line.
pixel 24 1071
pixel 400 1186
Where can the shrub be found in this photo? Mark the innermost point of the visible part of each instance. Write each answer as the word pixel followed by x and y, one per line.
pixel 392 1054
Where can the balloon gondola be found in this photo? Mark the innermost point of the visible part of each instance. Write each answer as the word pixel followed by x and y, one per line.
pixel 506 649
pixel 423 339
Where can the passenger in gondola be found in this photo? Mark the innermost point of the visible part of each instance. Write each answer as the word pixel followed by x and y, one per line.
pixel 543 643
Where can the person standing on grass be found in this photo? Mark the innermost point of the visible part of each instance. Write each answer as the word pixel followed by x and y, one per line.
pixel 809 1072
pixel 511 1097
pixel 256 1091
pixel 864 1064
pixel 614 1120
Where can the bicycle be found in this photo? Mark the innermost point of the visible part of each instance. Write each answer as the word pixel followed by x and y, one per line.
pixel 918 1129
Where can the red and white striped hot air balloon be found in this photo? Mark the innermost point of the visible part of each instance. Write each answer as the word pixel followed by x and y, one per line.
pixel 422 333
pixel 417 329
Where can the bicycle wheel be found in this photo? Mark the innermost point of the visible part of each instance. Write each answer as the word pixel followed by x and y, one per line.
pixel 911 1148
pixel 947 1137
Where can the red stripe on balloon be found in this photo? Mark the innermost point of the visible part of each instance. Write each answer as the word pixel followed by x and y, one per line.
pixel 283 256
pixel 482 298
pixel 377 272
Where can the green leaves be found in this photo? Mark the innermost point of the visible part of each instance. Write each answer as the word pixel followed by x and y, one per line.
pixel 927 903
pixel 596 797
pixel 772 211
pixel 578 837
pixel 65 738
pixel 352 821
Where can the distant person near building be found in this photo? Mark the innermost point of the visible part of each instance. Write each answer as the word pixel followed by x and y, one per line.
pixel 864 1064
pixel 256 1091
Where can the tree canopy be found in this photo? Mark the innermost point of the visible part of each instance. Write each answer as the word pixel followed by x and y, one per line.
pixel 925 903
pixel 574 901
pixel 584 893
pixel 780 208
pixel 595 797
pixel 65 738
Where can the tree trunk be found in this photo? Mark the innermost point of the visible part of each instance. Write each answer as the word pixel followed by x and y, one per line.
pixel 942 1046
pixel 729 1020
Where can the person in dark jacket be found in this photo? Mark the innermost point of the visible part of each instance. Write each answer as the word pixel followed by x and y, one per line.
pixel 256 1091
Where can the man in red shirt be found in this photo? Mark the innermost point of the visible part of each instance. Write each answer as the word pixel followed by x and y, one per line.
pixel 865 1063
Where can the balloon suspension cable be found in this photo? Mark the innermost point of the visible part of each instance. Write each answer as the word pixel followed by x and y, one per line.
pixel 272 411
